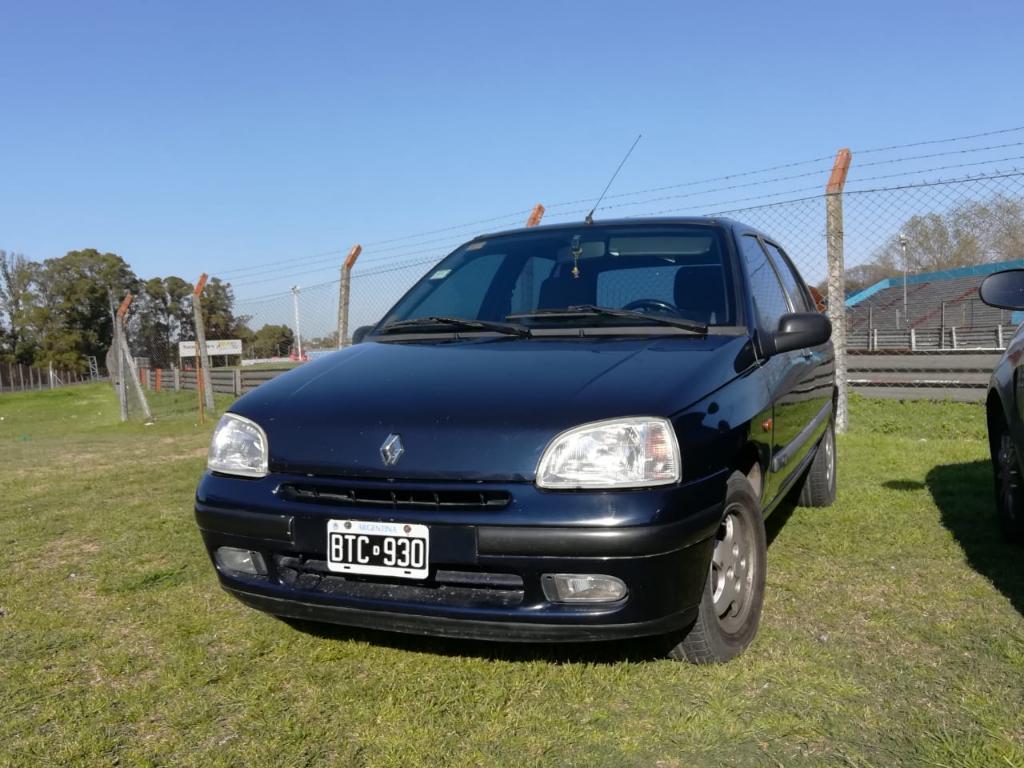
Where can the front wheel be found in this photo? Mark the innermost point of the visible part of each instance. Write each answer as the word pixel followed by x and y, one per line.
pixel 1009 491
pixel 730 608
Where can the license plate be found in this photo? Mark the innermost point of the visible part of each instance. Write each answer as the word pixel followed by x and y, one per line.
pixel 378 549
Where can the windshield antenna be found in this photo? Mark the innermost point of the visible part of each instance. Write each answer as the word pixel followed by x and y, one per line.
pixel 590 216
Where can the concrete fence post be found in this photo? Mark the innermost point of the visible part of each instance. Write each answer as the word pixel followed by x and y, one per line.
pixel 344 293
pixel 999 337
pixel 953 329
pixel 837 277
pixel 238 382
pixel 913 339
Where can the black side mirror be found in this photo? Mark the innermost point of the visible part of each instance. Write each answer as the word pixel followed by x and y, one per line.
pixel 1004 290
pixel 798 331
pixel 360 333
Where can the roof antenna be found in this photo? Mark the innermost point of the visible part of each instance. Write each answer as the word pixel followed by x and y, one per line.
pixel 590 216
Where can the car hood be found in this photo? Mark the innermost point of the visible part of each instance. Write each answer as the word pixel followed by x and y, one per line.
pixel 474 410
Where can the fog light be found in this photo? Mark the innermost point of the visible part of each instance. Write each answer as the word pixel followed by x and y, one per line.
pixel 582 588
pixel 242 561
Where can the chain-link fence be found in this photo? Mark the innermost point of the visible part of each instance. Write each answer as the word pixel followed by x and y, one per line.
pixel 923 224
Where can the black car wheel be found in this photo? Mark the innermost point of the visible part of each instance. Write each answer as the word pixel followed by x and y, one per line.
pixel 1009 493
pixel 819 484
pixel 730 608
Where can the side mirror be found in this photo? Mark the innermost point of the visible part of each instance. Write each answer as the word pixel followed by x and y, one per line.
pixel 360 333
pixel 798 331
pixel 1004 290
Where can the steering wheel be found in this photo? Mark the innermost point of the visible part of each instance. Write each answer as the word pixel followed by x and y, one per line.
pixel 653 304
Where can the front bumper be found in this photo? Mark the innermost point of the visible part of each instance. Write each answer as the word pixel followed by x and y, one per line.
pixel 486 566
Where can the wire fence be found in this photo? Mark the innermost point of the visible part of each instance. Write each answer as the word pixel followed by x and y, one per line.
pixel 923 224
pixel 15 377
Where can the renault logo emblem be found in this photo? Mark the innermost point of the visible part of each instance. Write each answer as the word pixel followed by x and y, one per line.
pixel 392 449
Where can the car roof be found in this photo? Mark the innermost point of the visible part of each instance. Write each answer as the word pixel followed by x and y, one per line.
pixel 653 221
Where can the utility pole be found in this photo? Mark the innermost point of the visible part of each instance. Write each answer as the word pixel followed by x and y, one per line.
pixel 344 292
pixel 204 384
pixel 903 248
pixel 298 332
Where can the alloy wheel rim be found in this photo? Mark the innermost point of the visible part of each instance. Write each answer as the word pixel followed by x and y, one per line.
pixel 732 570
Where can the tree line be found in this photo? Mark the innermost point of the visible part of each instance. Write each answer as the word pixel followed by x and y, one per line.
pixel 60 311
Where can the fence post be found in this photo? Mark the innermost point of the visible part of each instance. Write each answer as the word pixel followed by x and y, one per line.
pixel 953 329
pixel 942 327
pixel 238 382
pixel 202 361
pixel 344 290
pixel 127 353
pixel 21 376
pixel 913 339
pixel 999 337
pixel 874 340
pixel 177 379
pixel 837 276
pixel 118 372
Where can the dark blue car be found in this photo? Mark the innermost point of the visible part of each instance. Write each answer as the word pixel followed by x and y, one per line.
pixel 565 433
pixel 1005 407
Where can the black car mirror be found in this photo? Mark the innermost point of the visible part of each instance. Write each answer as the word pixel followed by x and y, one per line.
pixel 360 333
pixel 798 331
pixel 1004 290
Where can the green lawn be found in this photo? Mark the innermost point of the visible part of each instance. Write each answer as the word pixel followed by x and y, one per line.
pixel 892 634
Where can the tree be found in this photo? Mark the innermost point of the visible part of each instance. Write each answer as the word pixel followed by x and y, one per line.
pixel 272 340
pixel 17 277
pixel 161 317
pixel 72 314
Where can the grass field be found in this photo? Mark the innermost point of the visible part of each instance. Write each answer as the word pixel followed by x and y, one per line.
pixel 892 635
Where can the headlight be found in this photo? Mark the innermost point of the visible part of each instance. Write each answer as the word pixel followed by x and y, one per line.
pixel 239 447
pixel 619 453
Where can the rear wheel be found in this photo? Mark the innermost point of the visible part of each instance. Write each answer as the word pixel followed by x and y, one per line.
pixel 1009 491
pixel 730 608
pixel 819 484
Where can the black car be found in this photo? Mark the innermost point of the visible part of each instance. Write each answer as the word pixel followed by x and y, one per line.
pixel 564 433
pixel 1005 406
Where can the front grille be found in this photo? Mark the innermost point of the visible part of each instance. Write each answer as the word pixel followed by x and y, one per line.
pixel 394 498
pixel 459 589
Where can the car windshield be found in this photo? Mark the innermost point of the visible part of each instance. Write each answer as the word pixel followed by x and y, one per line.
pixel 563 278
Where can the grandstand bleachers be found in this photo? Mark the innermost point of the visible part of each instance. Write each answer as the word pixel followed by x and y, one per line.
pixel 942 311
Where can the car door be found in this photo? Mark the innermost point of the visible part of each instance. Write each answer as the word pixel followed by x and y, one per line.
pixel 786 375
pixel 807 405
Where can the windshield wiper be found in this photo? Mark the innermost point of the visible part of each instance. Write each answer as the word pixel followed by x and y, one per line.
pixel 592 310
pixel 456 322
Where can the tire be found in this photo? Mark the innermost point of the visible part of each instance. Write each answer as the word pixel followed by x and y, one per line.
pixel 730 609
pixel 1009 486
pixel 819 484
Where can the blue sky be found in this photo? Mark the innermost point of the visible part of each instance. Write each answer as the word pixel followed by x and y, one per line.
pixel 211 136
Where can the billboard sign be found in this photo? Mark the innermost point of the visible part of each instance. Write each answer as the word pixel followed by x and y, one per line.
pixel 213 347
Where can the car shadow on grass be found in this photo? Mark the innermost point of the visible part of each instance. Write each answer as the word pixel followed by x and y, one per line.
pixel 963 494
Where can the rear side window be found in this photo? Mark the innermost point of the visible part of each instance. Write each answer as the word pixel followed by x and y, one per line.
pixel 789 280
pixel 769 297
